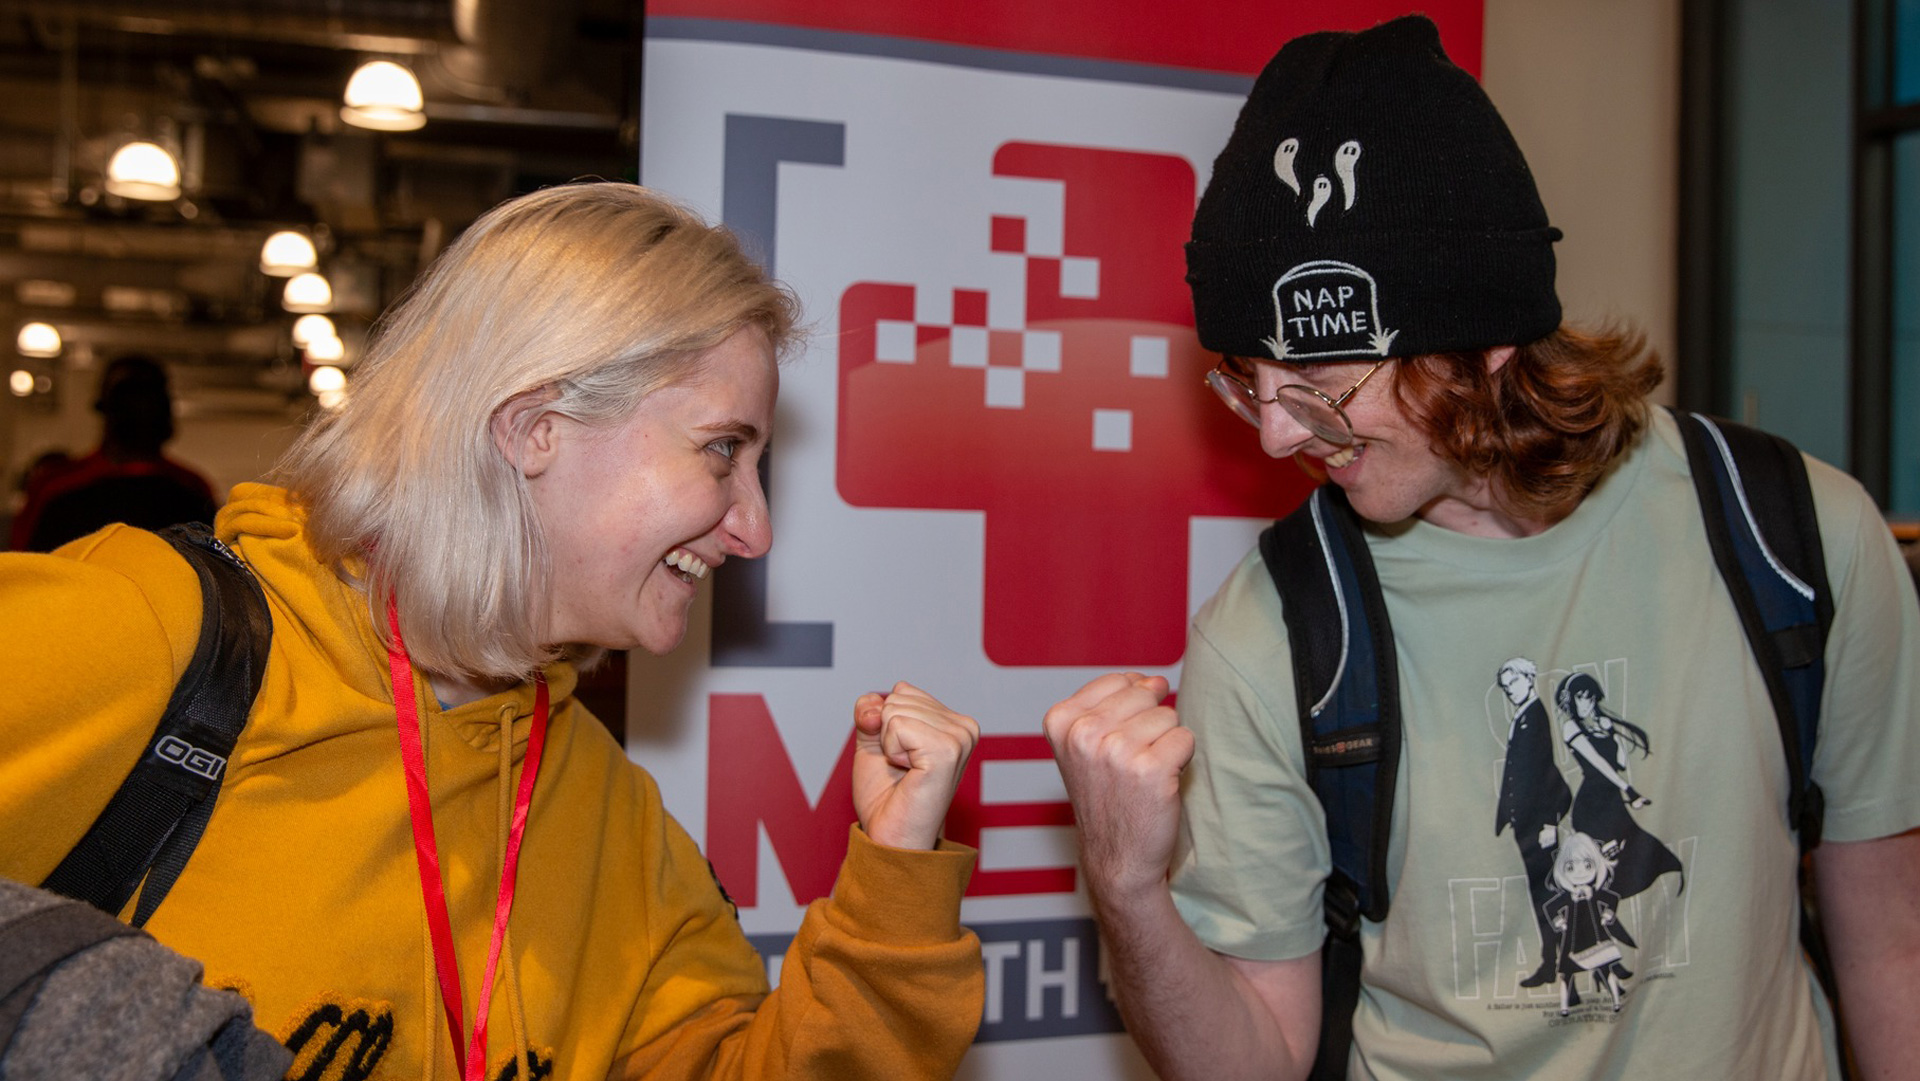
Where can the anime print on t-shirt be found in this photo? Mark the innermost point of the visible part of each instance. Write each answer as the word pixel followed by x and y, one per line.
pixel 1584 856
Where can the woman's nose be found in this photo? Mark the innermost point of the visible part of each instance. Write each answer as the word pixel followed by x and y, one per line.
pixel 748 526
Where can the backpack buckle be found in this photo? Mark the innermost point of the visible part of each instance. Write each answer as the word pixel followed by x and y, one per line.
pixel 1341 902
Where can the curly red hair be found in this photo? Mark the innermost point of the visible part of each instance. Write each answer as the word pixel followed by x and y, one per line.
pixel 1543 427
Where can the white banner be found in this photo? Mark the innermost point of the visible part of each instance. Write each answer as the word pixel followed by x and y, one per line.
pixel 996 470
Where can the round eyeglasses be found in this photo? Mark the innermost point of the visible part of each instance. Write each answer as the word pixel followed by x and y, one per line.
pixel 1317 413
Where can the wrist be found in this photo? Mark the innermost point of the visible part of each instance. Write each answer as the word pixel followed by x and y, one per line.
pixel 1120 899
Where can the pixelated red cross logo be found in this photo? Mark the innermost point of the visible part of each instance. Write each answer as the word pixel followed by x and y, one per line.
pixel 1083 429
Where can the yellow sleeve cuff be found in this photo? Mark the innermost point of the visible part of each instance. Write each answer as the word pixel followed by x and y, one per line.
pixel 903 896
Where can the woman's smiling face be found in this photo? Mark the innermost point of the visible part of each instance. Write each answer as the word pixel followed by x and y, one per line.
pixel 637 513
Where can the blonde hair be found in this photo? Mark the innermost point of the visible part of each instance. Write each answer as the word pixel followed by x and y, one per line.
pixel 591 295
pixel 1575 846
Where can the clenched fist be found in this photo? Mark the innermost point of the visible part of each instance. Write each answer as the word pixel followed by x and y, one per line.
pixel 909 752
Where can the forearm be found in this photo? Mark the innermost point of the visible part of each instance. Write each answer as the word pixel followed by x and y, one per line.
pixel 1879 996
pixel 881 982
pixel 890 964
pixel 1870 905
pixel 1196 1015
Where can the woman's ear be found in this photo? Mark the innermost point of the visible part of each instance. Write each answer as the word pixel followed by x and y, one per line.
pixel 527 433
pixel 1497 358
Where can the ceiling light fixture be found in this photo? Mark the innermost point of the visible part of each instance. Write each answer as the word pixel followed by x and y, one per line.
pixel 312 328
pixel 326 351
pixel 38 340
pixel 287 253
pixel 326 378
pixel 307 292
pixel 143 170
pixel 383 96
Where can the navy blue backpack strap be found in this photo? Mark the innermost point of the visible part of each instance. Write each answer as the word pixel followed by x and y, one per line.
pixel 151 825
pixel 1757 505
pixel 1346 688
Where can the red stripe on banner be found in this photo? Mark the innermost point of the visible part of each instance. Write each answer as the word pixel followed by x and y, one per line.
pixel 1220 35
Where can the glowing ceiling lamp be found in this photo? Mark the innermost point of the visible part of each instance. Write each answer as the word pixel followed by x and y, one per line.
pixel 311 328
pixel 287 253
pixel 307 292
pixel 384 96
pixel 326 350
pixel 326 378
pixel 143 170
pixel 329 385
pixel 38 340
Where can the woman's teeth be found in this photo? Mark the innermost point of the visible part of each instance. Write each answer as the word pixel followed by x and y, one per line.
pixel 690 566
pixel 1343 457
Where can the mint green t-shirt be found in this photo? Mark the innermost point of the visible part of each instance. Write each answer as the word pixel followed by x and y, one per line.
pixel 1636 865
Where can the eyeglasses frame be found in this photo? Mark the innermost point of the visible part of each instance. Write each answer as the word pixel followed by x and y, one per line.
pixel 1237 392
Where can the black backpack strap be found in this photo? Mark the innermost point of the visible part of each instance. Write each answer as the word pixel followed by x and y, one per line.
pixel 156 818
pixel 1346 688
pixel 33 943
pixel 1757 505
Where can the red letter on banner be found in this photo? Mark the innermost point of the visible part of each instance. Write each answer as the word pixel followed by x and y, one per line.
pixel 750 782
pixel 971 815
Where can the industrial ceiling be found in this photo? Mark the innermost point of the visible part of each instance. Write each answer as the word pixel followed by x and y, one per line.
pixel 519 94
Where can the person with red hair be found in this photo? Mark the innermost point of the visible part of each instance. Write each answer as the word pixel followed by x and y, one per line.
pixel 1374 264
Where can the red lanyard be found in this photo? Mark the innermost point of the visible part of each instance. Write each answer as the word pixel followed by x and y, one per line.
pixel 469 1062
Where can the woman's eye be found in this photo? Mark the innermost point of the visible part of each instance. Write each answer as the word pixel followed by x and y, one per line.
pixel 724 447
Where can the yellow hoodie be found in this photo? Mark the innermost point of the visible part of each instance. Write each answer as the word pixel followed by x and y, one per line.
pixel 623 960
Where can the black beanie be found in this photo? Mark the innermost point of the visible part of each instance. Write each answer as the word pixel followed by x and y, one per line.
pixel 1370 203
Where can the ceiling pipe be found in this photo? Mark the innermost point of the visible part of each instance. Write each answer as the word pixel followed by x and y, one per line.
pixel 411 27
pixel 69 41
pixel 507 46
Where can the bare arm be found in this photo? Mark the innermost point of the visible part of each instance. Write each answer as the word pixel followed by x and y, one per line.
pixel 1869 893
pixel 1578 740
pixel 1195 1014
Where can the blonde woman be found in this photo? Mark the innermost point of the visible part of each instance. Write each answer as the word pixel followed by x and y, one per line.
pixel 552 442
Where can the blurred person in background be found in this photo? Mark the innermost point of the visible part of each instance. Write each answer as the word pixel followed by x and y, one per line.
pixel 129 478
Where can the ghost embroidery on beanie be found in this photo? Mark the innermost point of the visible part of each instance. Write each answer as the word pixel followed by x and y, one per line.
pixel 1325 307
pixel 1369 177
pixel 1345 160
pixel 1343 166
